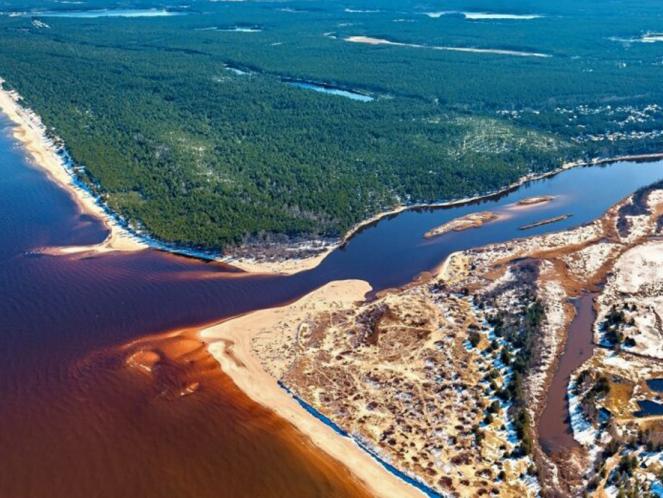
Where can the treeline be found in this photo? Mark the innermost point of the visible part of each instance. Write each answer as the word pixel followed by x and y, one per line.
pixel 198 155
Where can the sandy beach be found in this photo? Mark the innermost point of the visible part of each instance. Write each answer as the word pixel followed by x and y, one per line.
pixel 30 132
pixel 230 342
pixel 288 266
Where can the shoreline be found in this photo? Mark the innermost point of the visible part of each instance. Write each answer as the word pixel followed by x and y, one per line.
pixel 29 131
pixel 230 343
pixel 426 490
pixel 44 154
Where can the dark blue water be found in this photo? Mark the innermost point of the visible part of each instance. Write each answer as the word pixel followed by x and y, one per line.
pixel 649 408
pixel 394 250
pixel 655 385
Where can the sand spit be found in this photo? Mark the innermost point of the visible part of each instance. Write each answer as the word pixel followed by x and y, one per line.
pixel 31 133
pixel 285 266
pixel 547 221
pixel 230 342
pixel 494 51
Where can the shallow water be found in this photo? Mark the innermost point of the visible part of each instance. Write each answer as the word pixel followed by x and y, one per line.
pixel 76 421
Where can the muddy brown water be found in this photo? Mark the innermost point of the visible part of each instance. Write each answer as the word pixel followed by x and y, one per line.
pixel 554 429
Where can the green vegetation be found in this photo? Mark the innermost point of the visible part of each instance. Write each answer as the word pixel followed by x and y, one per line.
pixel 519 330
pixel 613 326
pixel 197 154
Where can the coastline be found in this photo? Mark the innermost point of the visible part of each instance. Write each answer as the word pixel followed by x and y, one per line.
pixel 288 266
pixel 230 343
pixel 30 132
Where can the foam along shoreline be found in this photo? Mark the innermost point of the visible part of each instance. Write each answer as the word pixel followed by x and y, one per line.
pixel 493 51
pixel 484 16
pixel 31 133
pixel 230 343
pixel 389 467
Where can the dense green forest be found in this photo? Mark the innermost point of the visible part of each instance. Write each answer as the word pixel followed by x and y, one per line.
pixel 188 125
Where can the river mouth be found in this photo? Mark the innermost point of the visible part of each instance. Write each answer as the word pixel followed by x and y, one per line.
pixel 553 427
pixel 68 396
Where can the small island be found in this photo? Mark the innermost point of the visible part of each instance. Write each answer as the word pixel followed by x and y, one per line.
pixel 547 221
pixel 472 220
pixel 533 201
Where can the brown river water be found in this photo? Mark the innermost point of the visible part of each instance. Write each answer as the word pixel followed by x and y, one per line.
pixel 555 433
pixel 77 421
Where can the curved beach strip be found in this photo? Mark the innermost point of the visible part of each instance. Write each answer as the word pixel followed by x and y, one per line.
pixel 230 343
pixel 30 132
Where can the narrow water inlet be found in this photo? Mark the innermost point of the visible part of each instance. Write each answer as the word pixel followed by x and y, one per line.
pixel 554 428
pixel 330 89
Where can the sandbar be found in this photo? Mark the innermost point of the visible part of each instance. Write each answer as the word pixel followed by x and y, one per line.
pixel 471 220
